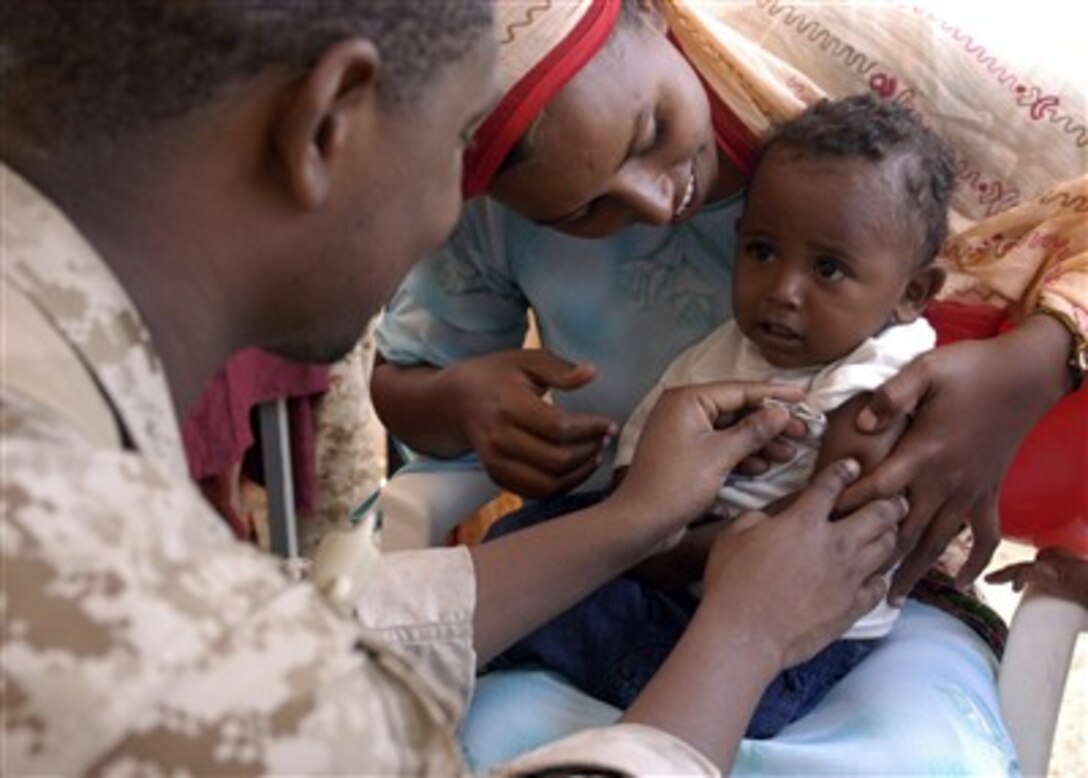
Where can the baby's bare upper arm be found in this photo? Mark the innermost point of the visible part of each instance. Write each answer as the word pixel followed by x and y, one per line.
pixel 842 438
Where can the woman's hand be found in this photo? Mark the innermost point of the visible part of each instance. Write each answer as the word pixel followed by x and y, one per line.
pixel 692 440
pixel 972 404
pixel 528 445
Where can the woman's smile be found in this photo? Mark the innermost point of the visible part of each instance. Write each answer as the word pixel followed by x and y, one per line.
pixel 687 195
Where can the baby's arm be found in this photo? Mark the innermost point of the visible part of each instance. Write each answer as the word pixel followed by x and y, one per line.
pixel 843 441
pixel 1055 571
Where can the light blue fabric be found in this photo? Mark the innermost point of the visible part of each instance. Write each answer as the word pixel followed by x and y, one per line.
pixel 628 304
pixel 923 703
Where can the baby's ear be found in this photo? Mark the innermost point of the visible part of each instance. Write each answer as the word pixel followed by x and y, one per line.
pixel 921 287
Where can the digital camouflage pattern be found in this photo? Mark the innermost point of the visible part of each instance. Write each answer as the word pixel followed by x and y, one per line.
pixel 350 458
pixel 139 637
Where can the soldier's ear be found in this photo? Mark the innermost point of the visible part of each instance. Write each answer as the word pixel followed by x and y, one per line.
pixel 337 97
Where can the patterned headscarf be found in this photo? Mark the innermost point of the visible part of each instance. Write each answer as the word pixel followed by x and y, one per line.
pixel 542 46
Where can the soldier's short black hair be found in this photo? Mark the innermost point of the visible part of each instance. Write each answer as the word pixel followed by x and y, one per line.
pixel 866 126
pixel 95 67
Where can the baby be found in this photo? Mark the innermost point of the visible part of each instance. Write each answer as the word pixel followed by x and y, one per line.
pixel 835 263
pixel 845 213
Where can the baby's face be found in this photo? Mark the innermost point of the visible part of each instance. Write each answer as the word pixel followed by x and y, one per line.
pixel 824 255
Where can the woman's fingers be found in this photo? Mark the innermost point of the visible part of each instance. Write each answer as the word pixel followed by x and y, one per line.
pixel 550 458
pixel 531 482
pixel 926 540
pixel 985 538
pixel 898 396
pixel 550 371
pixel 556 425
pixel 866 538
pixel 536 449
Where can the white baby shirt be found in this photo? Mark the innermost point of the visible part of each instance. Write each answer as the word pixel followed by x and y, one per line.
pixel 726 355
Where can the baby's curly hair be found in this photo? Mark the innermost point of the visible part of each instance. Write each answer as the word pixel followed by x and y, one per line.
pixel 866 126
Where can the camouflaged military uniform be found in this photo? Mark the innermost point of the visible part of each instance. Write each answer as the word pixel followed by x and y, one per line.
pixel 138 637
pixel 350 460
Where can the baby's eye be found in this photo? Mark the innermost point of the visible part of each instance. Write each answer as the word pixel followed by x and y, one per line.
pixel 829 269
pixel 759 250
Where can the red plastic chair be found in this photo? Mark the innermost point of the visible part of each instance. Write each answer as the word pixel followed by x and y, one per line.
pixel 1044 502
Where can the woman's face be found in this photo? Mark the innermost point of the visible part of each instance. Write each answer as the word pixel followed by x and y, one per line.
pixel 629 139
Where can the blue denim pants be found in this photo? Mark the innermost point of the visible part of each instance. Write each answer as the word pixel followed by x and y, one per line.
pixel 611 644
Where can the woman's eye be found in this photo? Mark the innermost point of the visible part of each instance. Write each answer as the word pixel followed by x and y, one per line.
pixel 661 128
pixel 830 269
pixel 582 215
pixel 759 251
pixel 649 136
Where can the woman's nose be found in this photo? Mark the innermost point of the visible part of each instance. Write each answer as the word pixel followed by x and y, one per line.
pixel 649 195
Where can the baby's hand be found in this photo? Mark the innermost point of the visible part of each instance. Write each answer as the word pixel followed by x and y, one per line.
pixel 1055 571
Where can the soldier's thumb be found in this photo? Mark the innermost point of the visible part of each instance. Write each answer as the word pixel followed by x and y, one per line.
pixel 751 433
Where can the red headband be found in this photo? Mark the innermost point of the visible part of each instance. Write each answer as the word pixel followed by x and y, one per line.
pixel 523 103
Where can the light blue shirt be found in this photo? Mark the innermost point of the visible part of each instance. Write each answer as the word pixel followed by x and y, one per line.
pixel 629 303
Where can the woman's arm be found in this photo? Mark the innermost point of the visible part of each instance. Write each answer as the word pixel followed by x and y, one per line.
pixel 454 378
pixel 972 404
pixel 406 399
pixel 495 405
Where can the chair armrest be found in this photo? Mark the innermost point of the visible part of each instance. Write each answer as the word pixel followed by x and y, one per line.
pixel 421 504
pixel 1033 674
